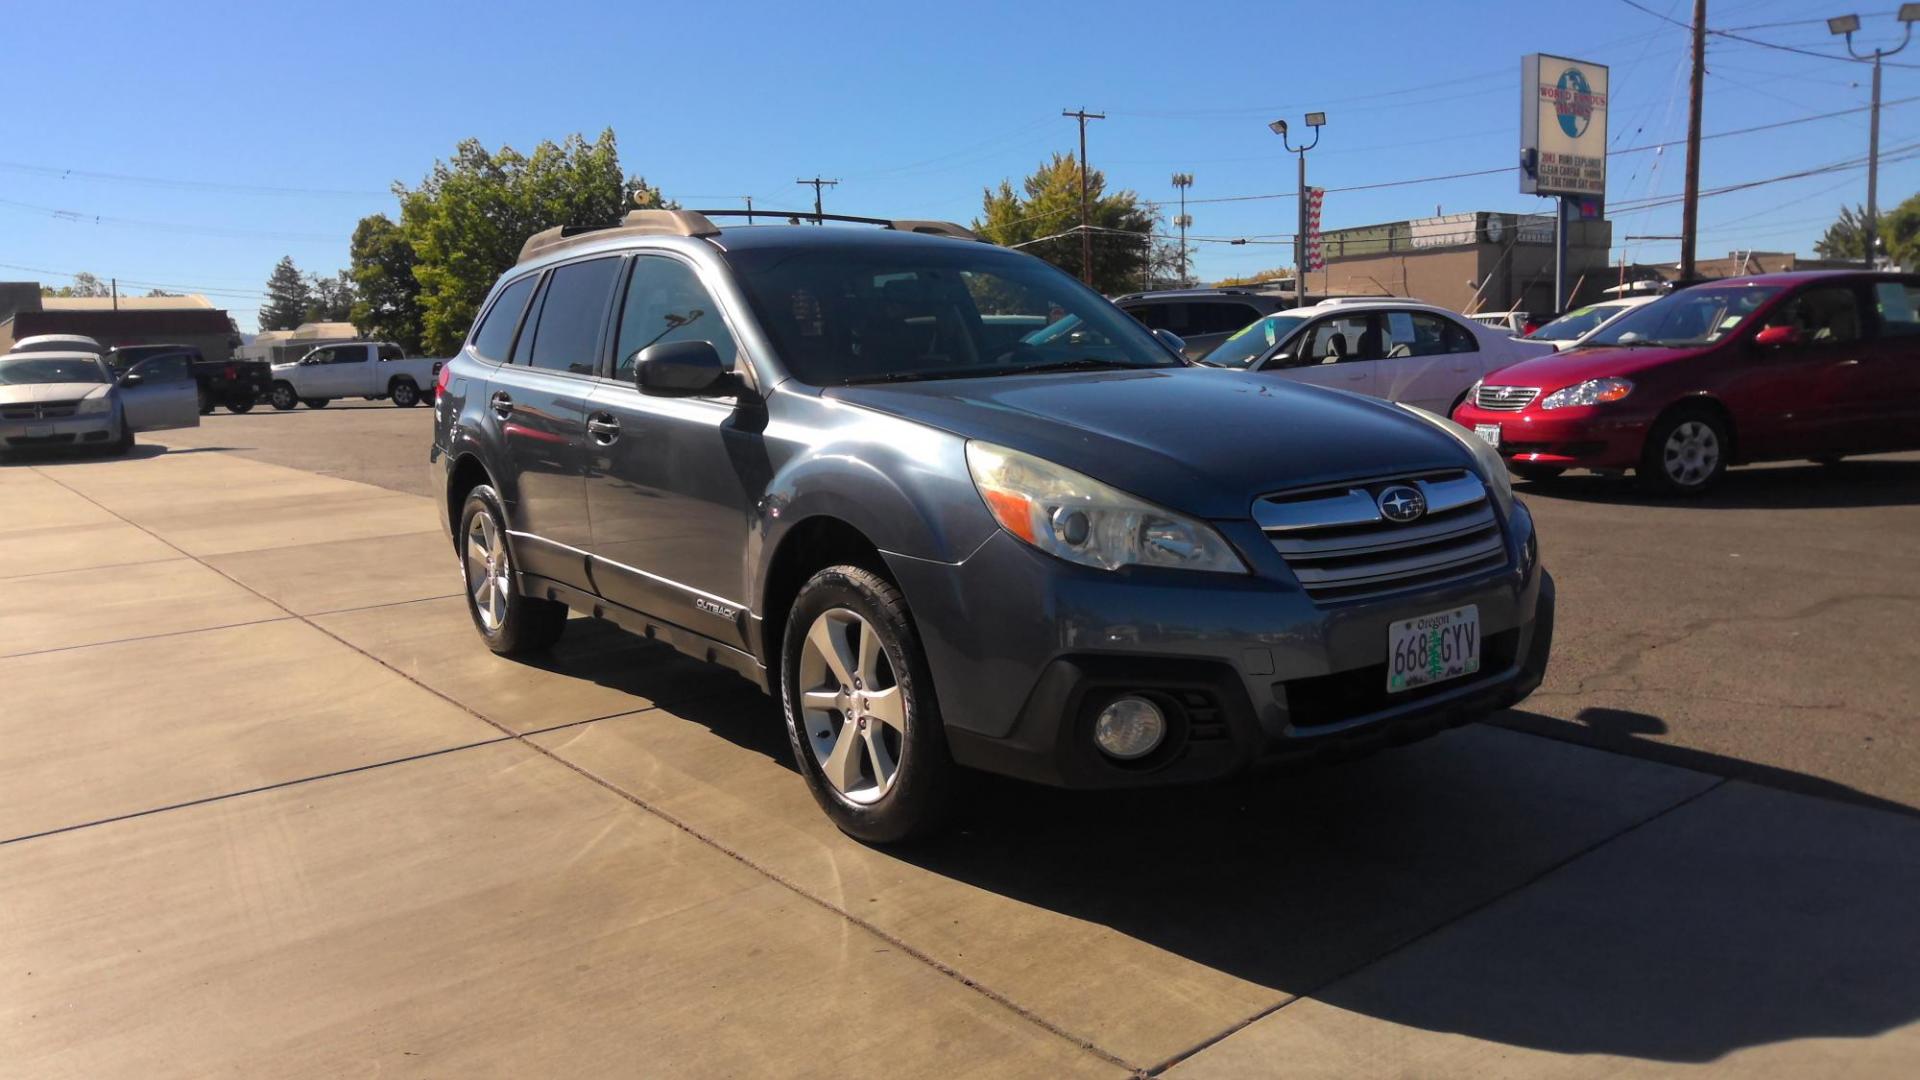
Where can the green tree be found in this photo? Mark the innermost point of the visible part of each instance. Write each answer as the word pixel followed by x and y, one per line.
pixel 468 218
pixel 288 297
pixel 333 298
pixel 1846 238
pixel 84 284
pixel 387 304
pixel 1043 217
pixel 161 292
pixel 1899 234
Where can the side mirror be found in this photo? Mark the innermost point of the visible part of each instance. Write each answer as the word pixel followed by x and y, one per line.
pixel 1172 341
pixel 130 379
pixel 682 369
pixel 1774 337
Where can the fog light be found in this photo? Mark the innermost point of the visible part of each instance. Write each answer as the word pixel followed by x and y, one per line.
pixel 1129 728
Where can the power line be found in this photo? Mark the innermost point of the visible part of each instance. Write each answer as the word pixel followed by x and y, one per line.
pixel 65 173
pixel 1731 36
pixel 83 217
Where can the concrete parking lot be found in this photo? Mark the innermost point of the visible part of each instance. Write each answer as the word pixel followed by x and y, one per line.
pixel 267 807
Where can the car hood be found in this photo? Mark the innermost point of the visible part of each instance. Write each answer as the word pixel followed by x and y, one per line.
pixel 33 393
pixel 1577 365
pixel 1204 442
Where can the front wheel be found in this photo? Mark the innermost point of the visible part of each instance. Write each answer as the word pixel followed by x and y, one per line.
pixel 315 402
pixel 282 397
pixel 122 446
pixel 405 394
pixel 206 402
pixel 1686 453
pixel 860 710
pixel 511 624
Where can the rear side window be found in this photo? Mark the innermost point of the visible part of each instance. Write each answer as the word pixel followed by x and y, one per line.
pixel 1896 303
pixel 1219 317
pixel 494 335
pixel 567 336
pixel 1159 316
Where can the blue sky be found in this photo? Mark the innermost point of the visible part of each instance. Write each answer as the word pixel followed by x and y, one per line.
pixel 236 133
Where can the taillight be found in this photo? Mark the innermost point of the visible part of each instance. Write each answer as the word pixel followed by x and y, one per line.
pixel 440 384
pixel 232 373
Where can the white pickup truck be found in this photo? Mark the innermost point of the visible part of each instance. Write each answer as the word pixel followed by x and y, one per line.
pixel 358 369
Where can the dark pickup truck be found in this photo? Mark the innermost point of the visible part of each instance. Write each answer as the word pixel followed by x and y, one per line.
pixel 237 384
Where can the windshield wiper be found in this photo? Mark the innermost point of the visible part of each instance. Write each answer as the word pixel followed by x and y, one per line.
pixel 918 376
pixel 1084 363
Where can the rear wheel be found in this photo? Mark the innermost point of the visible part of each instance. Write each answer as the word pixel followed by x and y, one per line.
pixel 282 396
pixel 405 394
pixel 510 623
pixel 861 715
pixel 240 403
pixel 1686 453
pixel 315 402
pixel 122 446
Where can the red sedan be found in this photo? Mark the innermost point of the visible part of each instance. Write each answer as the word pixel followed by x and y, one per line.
pixel 1814 365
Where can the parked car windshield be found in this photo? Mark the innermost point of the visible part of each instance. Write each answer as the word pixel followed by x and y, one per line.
pixel 862 315
pixel 29 369
pixel 1252 341
pixel 1698 316
pixel 1575 323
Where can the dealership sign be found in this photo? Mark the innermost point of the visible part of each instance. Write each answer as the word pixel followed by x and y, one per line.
pixel 1563 126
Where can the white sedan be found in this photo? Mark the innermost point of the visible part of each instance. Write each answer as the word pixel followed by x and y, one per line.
pixel 1399 350
pixel 1567 331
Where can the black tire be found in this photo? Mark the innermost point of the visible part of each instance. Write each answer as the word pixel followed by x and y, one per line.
pixel 206 402
pixel 282 397
pixel 315 402
pixel 919 797
pixel 1670 472
pixel 241 404
pixel 514 625
pixel 1536 474
pixel 124 445
pixel 404 393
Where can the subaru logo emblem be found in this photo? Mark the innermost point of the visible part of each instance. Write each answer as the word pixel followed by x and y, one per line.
pixel 1401 503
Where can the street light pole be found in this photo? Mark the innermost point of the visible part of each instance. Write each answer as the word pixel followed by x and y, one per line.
pixel 1315 120
pixel 1183 181
pixel 1845 25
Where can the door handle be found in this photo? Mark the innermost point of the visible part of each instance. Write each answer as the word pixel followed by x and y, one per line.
pixel 1848 363
pixel 603 428
pixel 502 403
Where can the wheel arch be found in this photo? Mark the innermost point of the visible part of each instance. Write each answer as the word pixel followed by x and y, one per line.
pixel 466 474
pixel 804 549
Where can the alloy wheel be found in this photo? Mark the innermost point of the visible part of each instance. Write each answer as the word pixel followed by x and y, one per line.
pixel 488 573
pixel 1691 454
pixel 852 711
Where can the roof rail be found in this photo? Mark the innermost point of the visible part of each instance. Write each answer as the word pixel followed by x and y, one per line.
pixel 931 228
pixel 636 223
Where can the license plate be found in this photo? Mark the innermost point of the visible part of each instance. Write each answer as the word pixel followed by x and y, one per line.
pixel 1433 648
pixel 39 431
pixel 1490 433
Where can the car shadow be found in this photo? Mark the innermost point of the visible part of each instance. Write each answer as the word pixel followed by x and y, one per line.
pixel 1561 919
pixel 1854 482
pixel 81 456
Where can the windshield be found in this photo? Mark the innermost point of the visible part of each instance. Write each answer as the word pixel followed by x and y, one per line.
pixel 1698 316
pixel 29 369
pixel 1576 322
pixel 1252 342
pixel 865 314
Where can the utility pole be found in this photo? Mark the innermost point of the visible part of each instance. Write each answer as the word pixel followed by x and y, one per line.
pixel 817 183
pixel 749 199
pixel 1690 203
pixel 1086 234
pixel 1847 24
pixel 1183 181
pixel 115 286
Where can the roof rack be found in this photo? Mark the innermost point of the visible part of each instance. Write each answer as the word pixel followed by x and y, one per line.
pixel 700 223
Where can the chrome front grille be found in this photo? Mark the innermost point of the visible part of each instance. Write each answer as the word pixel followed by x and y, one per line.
pixel 1341 547
pixel 1506 398
pixel 46 410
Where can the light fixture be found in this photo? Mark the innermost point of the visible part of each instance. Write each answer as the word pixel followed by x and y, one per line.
pixel 1316 119
pixel 1129 728
pixel 1847 24
pixel 1278 127
pixel 1909 13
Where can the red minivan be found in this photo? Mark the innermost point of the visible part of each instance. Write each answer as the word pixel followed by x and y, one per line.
pixel 1816 365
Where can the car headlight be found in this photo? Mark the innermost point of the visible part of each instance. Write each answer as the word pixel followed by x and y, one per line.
pixel 1082 520
pixel 1591 392
pixel 1493 468
pixel 94 406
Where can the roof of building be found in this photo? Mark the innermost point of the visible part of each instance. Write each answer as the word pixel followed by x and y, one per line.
pixel 319 331
pixel 125 303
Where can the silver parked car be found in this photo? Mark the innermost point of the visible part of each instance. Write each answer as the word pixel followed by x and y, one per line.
pixel 62 399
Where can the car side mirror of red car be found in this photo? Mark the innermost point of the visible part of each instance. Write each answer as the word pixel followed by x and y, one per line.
pixel 1774 337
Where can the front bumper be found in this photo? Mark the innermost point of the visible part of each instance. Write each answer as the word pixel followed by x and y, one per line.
pixel 98 429
pixel 1589 437
pixel 1024 650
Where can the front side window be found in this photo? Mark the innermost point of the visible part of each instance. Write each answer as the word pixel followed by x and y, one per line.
pixel 1253 341
pixel 567 335
pixel 494 336
pixel 1898 306
pixel 854 314
pixel 1823 316
pixel 665 303
pixel 391 352
pixel 1333 341
pixel 1701 315
pixel 168 367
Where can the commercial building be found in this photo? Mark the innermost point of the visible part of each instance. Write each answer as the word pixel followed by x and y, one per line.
pixel 1480 261
pixel 126 320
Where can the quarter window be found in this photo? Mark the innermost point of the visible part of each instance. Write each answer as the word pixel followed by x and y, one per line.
pixel 666 303
pixel 572 314
pixel 494 335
